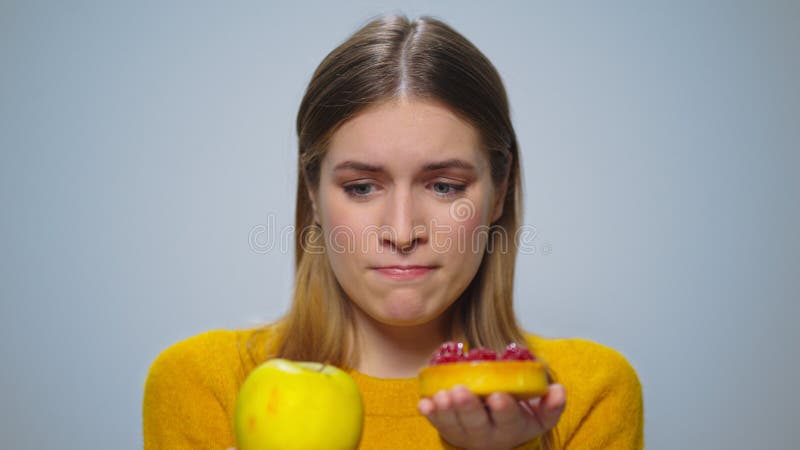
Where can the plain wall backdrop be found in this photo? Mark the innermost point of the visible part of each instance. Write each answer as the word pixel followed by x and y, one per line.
pixel 144 145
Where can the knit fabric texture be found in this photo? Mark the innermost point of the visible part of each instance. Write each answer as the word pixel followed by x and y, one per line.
pixel 191 389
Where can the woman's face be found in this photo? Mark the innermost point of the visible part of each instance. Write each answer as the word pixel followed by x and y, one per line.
pixel 404 201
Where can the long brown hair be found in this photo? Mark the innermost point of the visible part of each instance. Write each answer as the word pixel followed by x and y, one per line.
pixel 392 57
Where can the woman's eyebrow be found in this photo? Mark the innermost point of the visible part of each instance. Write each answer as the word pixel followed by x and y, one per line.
pixel 452 163
pixel 355 165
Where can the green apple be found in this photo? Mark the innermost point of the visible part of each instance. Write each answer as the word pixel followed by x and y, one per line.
pixel 291 405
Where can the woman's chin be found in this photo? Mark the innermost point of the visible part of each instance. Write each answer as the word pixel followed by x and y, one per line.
pixel 407 313
pixel 402 306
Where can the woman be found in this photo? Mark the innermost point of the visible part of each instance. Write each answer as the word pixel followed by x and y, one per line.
pixel 408 202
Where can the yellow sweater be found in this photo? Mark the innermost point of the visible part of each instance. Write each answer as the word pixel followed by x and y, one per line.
pixel 191 389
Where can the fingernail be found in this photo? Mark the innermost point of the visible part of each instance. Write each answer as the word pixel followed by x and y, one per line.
pixel 558 406
pixel 421 407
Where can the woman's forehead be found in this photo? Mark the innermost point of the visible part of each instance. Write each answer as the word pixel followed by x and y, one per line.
pixel 405 134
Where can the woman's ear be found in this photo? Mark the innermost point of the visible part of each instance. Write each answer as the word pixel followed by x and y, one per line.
pixel 499 201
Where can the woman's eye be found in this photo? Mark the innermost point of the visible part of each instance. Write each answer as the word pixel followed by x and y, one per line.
pixel 358 190
pixel 447 189
pixel 441 189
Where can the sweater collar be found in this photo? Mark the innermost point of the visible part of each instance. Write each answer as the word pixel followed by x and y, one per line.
pixel 388 396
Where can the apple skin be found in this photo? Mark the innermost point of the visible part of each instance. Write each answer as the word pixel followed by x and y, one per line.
pixel 291 405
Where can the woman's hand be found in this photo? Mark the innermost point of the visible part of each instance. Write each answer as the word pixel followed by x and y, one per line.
pixel 501 423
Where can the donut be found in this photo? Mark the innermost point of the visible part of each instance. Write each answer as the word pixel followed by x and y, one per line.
pixel 517 372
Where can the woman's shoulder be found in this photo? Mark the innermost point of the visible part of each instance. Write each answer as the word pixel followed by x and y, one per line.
pixel 583 359
pixel 200 347
pixel 217 351
pixel 597 378
pixel 577 352
pixel 193 383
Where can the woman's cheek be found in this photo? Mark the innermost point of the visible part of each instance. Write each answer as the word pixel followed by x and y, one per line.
pixel 348 237
pixel 475 235
pixel 459 236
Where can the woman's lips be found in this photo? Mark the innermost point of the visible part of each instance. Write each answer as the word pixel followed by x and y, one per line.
pixel 405 273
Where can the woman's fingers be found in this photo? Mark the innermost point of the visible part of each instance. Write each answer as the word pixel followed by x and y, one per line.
pixel 546 410
pixel 464 420
pixel 443 416
pixel 425 406
pixel 507 415
pixel 460 417
pixel 471 414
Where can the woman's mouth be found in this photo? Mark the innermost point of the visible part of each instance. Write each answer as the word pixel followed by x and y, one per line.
pixel 404 273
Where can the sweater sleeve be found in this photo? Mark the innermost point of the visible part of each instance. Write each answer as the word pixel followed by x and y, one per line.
pixel 610 412
pixel 190 393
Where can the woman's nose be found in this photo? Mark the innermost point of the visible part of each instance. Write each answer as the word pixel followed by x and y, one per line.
pixel 404 224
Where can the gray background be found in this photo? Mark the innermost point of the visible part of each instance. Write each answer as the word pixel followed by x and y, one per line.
pixel 143 143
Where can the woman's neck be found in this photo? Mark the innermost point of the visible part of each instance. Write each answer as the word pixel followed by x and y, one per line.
pixel 386 351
